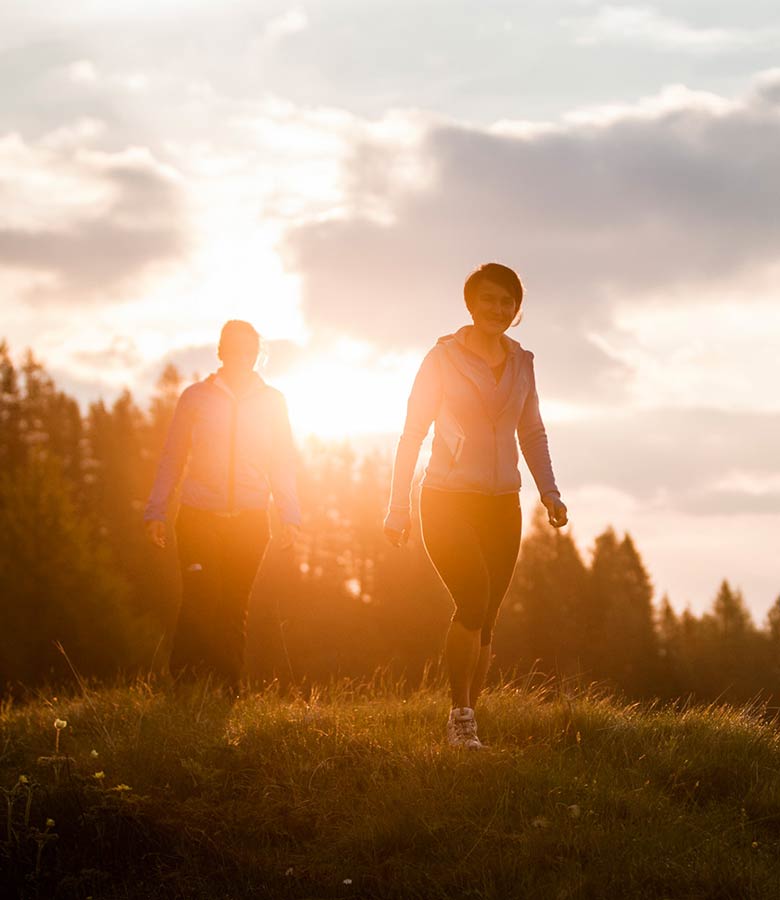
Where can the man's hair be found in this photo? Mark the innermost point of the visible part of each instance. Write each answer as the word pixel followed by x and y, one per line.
pixel 498 274
pixel 238 333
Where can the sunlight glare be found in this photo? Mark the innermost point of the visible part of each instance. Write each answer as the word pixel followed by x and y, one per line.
pixel 346 390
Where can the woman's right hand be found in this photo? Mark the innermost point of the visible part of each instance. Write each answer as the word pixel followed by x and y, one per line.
pixel 155 531
pixel 398 525
pixel 557 513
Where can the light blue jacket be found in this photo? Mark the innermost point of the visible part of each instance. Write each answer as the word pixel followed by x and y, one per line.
pixel 477 425
pixel 237 451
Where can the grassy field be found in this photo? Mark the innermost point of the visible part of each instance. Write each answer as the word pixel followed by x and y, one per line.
pixel 352 793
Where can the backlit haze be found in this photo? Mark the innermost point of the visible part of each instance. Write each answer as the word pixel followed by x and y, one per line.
pixel 331 171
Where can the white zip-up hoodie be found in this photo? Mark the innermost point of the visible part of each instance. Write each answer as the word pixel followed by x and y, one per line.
pixel 477 425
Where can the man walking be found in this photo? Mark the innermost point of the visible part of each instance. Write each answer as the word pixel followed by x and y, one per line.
pixel 231 434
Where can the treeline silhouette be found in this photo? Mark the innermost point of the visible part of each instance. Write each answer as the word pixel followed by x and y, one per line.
pixel 76 570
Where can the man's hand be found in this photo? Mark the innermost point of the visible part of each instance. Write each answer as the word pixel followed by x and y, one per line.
pixel 155 531
pixel 288 537
pixel 397 527
pixel 557 514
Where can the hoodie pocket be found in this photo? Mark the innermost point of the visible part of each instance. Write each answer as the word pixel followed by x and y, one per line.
pixel 455 454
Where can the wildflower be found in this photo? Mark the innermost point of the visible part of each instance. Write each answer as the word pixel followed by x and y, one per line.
pixel 23 779
pixel 50 823
pixel 290 871
pixel 122 787
pixel 100 775
pixel 540 822
pixel 93 754
pixel 59 724
pixel 574 811
pixel 754 845
pixel 347 881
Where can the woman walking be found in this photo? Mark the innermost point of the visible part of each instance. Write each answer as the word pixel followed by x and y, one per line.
pixel 230 440
pixel 477 386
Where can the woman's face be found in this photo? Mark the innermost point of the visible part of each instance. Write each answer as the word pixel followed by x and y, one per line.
pixel 493 308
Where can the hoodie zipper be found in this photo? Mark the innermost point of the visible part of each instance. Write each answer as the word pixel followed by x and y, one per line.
pixel 231 498
pixel 495 457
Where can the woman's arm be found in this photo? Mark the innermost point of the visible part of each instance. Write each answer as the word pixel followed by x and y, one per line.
pixel 535 448
pixel 173 459
pixel 421 410
pixel 281 472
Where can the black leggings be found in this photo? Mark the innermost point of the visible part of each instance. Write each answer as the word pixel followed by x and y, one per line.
pixel 219 558
pixel 473 541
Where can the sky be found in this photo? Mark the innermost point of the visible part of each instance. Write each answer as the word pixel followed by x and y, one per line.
pixel 332 170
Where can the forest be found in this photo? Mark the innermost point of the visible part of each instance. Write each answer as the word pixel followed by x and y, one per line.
pixel 82 589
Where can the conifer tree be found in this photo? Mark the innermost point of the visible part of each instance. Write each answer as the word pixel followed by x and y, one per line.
pixel 619 617
pixel 118 491
pixel 542 623
pixel 773 624
pixel 12 450
pixel 56 581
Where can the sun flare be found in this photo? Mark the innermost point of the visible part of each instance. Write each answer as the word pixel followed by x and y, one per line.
pixel 345 391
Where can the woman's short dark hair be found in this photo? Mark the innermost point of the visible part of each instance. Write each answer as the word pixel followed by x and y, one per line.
pixel 239 333
pixel 498 274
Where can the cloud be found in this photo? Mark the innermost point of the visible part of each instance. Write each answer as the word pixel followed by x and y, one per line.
pixel 694 460
pixel 288 23
pixel 82 71
pixel 122 353
pixel 280 357
pixel 190 361
pixel 86 225
pixel 644 26
pixel 592 213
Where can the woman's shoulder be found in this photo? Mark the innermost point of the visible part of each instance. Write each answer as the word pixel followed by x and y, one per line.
pixel 516 347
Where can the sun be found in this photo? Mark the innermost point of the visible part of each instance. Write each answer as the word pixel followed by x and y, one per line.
pixel 347 390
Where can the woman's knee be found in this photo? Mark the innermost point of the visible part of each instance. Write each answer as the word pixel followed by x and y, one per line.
pixel 488 626
pixel 471 613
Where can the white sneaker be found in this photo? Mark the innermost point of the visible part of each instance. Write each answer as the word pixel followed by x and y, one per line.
pixel 462 729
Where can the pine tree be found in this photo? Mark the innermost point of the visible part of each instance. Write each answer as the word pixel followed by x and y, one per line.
pixel 12 449
pixel 619 617
pixel 118 489
pixel 56 581
pixel 773 624
pixel 542 623
pixel 670 650
pixel 730 615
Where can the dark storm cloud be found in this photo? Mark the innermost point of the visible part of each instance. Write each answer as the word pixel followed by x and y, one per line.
pixel 97 259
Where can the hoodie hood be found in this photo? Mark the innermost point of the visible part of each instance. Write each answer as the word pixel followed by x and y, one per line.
pixel 459 337
pixel 495 396
pixel 217 380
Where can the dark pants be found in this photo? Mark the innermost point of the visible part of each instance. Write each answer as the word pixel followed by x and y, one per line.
pixel 219 557
pixel 473 541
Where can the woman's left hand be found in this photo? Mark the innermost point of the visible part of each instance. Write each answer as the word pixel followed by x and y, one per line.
pixel 288 536
pixel 557 513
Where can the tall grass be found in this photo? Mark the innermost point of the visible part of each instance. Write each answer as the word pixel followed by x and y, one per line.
pixel 352 792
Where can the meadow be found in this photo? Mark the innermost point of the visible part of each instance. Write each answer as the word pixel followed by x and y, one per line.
pixel 349 791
